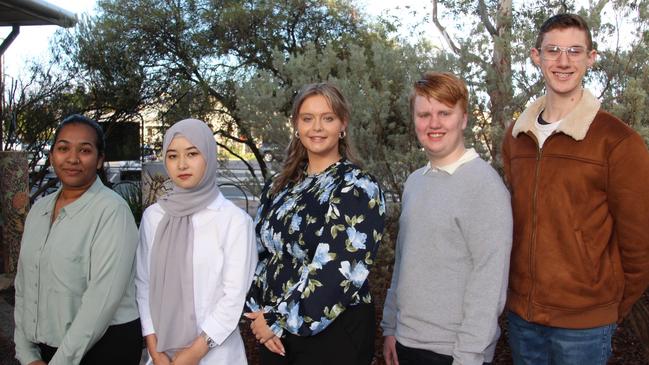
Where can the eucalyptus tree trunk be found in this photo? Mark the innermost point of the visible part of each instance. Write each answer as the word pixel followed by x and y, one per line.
pixel 497 69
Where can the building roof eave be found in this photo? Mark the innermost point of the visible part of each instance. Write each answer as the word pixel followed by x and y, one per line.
pixel 34 12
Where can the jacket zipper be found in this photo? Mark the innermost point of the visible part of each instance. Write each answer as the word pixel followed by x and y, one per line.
pixel 539 154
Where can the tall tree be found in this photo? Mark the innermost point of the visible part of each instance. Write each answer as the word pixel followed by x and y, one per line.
pixel 376 78
pixel 32 107
pixel 156 53
pixel 492 40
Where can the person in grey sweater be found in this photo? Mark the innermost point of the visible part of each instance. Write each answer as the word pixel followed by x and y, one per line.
pixel 455 233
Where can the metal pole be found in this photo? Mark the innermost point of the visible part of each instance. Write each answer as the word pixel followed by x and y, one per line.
pixel 15 29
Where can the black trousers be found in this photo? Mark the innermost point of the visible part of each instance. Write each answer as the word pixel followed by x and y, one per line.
pixel 349 340
pixel 121 344
pixel 412 356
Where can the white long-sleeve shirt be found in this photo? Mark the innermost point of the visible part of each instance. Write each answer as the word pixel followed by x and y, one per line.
pixel 225 256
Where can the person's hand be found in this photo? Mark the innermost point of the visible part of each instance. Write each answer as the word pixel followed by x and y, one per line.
pixel 158 358
pixel 263 333
pixel 193 354
pixel 186 357
pixel 37 362
pixel 390 350
pixel 259 326
pixel 274 344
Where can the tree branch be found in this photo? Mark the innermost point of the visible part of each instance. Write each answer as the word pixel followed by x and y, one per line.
pixel 245 162
pixel 442 30
pixel 229 136
pixel 484 17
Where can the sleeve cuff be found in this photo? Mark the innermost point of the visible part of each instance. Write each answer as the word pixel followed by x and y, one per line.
pixel 216 332
pixel 27 358
pixel 147 325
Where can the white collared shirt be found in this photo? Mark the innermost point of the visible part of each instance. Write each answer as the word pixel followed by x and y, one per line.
pixel 469 154
pixel 225 256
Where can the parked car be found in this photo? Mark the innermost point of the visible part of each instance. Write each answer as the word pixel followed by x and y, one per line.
pixel 148 153
pixel 118 171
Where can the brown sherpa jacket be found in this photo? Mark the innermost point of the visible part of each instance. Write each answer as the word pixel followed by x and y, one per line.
pixel 580 254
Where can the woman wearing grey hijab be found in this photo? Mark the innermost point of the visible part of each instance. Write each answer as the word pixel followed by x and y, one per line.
pixel 195 259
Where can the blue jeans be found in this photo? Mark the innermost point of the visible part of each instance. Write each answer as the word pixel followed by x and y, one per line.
pixel 535 344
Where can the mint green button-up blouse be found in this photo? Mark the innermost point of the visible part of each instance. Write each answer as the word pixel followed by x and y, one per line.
pixel 75 275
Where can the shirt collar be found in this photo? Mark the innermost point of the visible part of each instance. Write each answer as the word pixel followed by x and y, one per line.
pixel 575 124
pixel 468 155
pixel 77 205
pixel 217 203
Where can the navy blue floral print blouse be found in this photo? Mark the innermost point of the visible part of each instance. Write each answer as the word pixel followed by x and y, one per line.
pixel 317 239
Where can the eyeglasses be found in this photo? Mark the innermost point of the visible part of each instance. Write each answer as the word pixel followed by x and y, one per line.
pixel 552 53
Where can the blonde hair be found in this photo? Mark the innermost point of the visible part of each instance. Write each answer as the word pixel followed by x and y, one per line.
pixel 296 155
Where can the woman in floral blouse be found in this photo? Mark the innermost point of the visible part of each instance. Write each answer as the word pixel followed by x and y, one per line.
pixel 318 227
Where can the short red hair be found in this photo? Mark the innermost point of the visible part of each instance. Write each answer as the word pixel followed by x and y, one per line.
pixel 443 87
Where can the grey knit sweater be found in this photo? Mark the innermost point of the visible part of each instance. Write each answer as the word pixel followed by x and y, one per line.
pixel 452 263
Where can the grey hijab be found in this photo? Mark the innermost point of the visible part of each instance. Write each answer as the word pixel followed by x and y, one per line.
pixel 171 295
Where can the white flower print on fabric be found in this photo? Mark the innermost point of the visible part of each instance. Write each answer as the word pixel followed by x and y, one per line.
pixel 356 274
pixel 286 207
pixel 293 319
pixel 356 239
pixel 297 252
pixel 322 256
pixel 295 222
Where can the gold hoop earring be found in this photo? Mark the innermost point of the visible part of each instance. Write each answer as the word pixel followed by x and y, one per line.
pixel 343 134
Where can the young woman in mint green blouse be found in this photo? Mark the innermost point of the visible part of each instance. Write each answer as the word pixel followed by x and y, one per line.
pixel 75 295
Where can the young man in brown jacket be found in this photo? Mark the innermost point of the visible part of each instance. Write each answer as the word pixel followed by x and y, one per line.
pixel 579 180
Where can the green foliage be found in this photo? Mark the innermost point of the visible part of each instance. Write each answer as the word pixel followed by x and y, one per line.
pixel 238 64
pixel 132 194
pixel 184 58
pixel 492 44
pixel 622 70
pixel 32 107
pixel 375 75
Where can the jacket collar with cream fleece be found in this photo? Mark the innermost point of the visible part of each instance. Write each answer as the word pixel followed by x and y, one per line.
pixel 575 124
